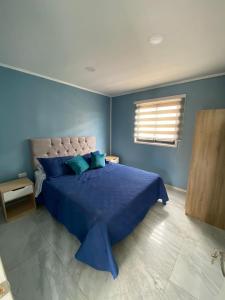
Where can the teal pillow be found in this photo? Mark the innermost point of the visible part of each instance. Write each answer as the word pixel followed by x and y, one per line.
pixel 78 164
pixel 97 160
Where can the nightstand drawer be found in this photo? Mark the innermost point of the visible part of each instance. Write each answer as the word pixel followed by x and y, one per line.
pixel 11 195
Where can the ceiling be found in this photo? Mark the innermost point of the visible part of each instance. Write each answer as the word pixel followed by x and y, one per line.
pixel 59 39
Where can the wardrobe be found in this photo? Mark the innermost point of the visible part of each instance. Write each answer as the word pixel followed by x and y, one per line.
pixel 206 184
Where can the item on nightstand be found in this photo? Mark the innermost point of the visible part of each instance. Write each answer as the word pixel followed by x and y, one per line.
pixel 112 158
pixel 4 288
pixel 5 293
pixel 17 197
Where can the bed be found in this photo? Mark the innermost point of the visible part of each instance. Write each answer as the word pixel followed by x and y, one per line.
pixel 101 206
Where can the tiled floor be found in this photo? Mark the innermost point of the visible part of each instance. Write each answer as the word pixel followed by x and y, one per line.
pixel 166 257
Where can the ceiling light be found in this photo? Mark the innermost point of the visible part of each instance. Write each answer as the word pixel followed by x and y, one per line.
pixel 156 39
pixel 90 69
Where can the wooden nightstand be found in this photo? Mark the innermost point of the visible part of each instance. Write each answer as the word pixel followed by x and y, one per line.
pixel 17 197
pixel 112 158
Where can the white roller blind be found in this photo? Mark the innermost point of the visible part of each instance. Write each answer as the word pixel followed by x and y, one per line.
pixel 158 121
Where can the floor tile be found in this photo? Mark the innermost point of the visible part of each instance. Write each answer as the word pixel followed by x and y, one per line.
pixel 173 292
pixel 43 277
pixel 19 240
pixel 195 273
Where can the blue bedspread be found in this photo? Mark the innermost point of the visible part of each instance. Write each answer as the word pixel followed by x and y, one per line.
pixel 101 207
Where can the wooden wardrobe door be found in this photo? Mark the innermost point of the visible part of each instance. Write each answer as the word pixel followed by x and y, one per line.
pixel 206 186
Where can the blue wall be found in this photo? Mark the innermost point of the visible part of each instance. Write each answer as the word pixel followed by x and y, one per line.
pixel 171 163
pixel 34 107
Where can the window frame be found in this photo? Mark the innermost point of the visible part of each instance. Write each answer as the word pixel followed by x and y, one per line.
pixel 160 99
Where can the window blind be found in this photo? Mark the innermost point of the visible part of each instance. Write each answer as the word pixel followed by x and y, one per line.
pixel 158 121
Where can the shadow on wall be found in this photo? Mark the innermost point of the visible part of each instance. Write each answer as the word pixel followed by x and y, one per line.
pixel 150 163
pixel 27 158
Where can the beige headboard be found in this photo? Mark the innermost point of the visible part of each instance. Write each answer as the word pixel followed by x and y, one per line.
pixel 62 146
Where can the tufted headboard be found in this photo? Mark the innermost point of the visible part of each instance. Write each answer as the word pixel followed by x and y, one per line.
pixel 62 146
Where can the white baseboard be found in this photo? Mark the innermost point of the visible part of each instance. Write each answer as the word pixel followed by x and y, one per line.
pixel 171 187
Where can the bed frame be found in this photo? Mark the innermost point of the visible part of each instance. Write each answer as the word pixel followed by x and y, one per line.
pixel 61 146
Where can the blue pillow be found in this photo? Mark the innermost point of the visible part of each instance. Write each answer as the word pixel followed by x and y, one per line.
pixel 78 164
pixel 97 160
pixel 55 166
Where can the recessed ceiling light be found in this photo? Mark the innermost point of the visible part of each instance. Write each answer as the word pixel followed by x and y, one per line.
pixel 156 39
pixel 90 69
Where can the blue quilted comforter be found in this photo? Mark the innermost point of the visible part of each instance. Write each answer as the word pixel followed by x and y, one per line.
pixel 101 207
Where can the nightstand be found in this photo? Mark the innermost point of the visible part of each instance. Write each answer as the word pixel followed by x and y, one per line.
pixel 112 158
pixel 17 197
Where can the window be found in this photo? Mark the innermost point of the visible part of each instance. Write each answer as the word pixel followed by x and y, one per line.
pixel 159 122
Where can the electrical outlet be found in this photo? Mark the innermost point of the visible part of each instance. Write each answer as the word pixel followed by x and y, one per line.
pixel 23 174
